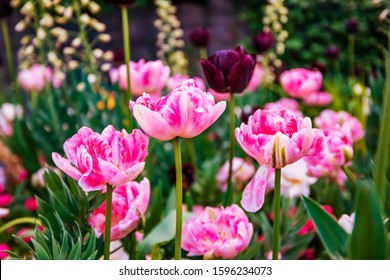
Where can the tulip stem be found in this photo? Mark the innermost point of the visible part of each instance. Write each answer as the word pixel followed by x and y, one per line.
pixel 8 48
pixel 179 197
pixel 24 220
pixel 351 54
pixel 276 226
pixel 107 233
pixel 126 48
pixel 229 192
pixel 384 136
pixel 203 53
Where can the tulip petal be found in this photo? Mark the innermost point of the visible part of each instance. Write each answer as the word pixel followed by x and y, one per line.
pixel 253 195
pixel 66 166
pixel 125 176
pixel 213 76
pixel 241 74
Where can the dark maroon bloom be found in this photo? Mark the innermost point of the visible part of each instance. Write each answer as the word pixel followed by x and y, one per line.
pixel 229 70
pixel 263 41
pixel 200 37
pixel 122 3
pixel 333 52
pixel 318 66
pixel 352 26
pixel 5 8
pixel 188 172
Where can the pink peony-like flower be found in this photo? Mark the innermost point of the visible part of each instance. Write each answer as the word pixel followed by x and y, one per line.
pixel 300 82
pixel 321 98
pixel 150 77
pixel 178 79
pixel 129 204
pixel 242 171
pixel 338 152
pixel 217 233
pixel 35 78
pixel 4 247
pixel 185 112
pixel 277 138
pixel 341 120
pixel 95 160
pixel 289 104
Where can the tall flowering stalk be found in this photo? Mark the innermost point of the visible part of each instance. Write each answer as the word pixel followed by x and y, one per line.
pixel 102 162
pixel 229 71
pixel 184 113
pixel 275 138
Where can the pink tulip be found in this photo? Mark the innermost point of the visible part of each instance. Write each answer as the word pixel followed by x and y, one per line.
pixel 185 112
pixel 178 79
pixel 329 119
pixel 95 160
pixel 338 152
pixel 217 233
pixel 277 138
pixel 30 204
pixel 300 82
pixel 114 75
pixel 4 247
pixel 5 199
pixel 150 77
pixel 318 99
pixel 242 172
pixel 35 78
pixel 129 204
pixel 26 234
pixel 291 106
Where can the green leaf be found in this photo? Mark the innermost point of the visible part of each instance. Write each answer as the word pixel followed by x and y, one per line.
pixel 250 252
pixel 368 241
pixel 332 236
pixel 163 232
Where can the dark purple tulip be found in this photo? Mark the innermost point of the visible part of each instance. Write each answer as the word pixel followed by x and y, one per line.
pixel 122 3
pixel 229 70
pixel 352 26
pixel 200 37
pixel 263 41
pixel 318 66
pixel 5 8
pixel 332 52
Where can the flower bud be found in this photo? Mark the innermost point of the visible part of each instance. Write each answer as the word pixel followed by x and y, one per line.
pixel 200 37
pixel 352 26
pixel 263 41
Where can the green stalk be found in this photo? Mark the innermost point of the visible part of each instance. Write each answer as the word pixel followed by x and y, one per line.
pixel 126 47
pixel 352 179
pixel 203 53
pixel 133 246
pixel 229 192
pixel 24 220
pixel 190 147
pixel 8 49
pixel 276 226
pixel 107 232
pixel 179 197
pixel 384 136
pixel 351 55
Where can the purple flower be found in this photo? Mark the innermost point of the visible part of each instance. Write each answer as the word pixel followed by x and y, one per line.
pixel 200 37
pixel 352 26
pixel 229 70
pixel 263 41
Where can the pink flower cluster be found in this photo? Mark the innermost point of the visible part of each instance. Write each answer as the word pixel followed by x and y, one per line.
pixel 129 204
pixel 217 233
pixel 185 112
pixel 8 113
pixel 305 84
pixel 35 78
pixel 341 130
pixel 95 160
pixel 178 79
pixel 242 171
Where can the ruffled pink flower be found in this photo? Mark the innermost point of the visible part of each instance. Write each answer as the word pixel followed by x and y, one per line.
pixel 150 77
pixel 341 120
pixel 338 152
pixel 35 78
pixel 277 138
pixel 300 82
pixel 178 79
pixel 185 112
pixel 289 104
pixel 242 172
pixel 321 98
pixel 256 80
pixel 129 204
pixel 95 160
pixel 217 233
pixel 4 247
